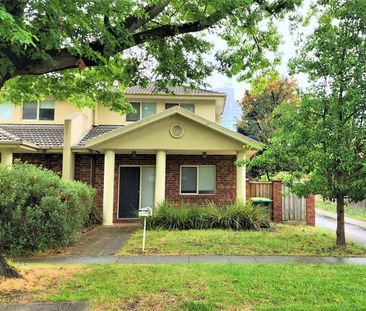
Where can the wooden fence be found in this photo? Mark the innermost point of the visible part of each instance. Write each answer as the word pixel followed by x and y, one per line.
pixel 286 206
pixel 293 207
pixel 261 189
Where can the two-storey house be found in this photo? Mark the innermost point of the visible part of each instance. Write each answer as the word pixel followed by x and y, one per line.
pixel 172 148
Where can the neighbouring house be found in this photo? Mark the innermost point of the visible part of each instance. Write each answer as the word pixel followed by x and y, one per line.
pixel 173 148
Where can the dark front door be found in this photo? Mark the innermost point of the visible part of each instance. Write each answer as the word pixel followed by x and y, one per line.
pixel 129 192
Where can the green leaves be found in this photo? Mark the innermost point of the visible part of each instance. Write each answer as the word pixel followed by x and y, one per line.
pixel 324 137
pixel 45 44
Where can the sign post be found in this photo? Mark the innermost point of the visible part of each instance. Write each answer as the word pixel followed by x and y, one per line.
pixel 145 212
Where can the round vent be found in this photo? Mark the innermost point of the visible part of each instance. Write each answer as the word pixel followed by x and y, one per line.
pixel 176 131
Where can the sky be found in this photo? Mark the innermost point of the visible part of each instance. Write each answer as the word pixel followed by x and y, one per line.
pixel 287 51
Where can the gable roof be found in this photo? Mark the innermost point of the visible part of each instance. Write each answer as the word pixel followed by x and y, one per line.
pixel 151 89
pixel 40 135
pixel 166 114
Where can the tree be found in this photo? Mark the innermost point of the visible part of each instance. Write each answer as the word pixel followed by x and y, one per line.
pixel 78 49
pixel 266 94
pixel 6 270
pixel 325 135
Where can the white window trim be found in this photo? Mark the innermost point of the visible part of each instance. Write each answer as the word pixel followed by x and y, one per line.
pixel 140 193
pixel 141 104
pixel 38 108
pixel 198 176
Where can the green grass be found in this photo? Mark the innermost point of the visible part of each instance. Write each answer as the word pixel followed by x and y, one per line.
pixel 284 240
pixel 348 211
pixel 218 287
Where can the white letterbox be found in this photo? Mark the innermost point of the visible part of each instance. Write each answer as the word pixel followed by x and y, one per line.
pixel 145 212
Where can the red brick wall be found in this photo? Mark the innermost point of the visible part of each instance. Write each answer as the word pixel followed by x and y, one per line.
pixel 50 161
pixel 247 189
pixel 83 172
pixel 310 210
pixel 225 178
pixel 277 201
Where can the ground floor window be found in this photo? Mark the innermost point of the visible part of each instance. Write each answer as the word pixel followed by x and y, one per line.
pixel 199 179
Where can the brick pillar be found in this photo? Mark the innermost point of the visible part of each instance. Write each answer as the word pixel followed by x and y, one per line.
pixel 247 189
pixel 277 201
pixel 310 210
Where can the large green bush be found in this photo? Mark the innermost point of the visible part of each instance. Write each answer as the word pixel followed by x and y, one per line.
pixel 40 211
pixel 237 216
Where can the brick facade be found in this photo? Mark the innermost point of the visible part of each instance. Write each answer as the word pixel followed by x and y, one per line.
pixel 310 210
pixel 225 176
pixel 47 160
pixel 277 201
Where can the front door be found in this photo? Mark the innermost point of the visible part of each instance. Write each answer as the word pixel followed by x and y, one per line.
pixel 129 192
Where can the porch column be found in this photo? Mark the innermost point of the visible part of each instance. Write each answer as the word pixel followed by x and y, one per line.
pixel 240 178
pixel 68 157
pixel 108 190
pixel 160 176
pixel 6 157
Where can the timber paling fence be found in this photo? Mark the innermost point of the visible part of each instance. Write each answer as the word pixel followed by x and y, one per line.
pixel 293 207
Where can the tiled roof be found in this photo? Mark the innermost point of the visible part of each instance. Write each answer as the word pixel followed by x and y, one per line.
pixel 152 90
pixel 42 135
pixel 5 136
pixel 96 131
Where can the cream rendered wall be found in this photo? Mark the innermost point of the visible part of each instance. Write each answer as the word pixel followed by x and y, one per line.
pixel 156 136
pixel 62 111
pixel 203 108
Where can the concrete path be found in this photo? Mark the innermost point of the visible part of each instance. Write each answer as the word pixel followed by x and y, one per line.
pixel 355 229
pixel 101 241
pixel 48 306
pixel 196 259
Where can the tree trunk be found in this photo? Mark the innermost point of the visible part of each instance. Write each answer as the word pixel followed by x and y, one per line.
pixel 7 271
pixel 341 236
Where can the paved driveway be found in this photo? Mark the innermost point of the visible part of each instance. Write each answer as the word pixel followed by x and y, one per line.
pixel 355 229
pixel 102 241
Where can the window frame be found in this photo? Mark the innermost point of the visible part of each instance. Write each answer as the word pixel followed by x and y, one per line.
pixel 198 176
pixel 38 111
pixel 180 105
pixel 141 108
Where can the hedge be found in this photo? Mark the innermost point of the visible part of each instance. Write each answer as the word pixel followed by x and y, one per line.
pixel 39 211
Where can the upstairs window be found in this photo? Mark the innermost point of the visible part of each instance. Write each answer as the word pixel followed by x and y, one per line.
pixel 30 111
pixel 198 179
pixel 6 111
pixel 143 110
pixel 47 110
pixel 44 111
pixel 187 106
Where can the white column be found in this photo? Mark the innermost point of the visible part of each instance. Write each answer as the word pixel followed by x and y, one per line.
pixel 240 178
pixel 108 191
pixel 68 157
pixel 6 157
pixel 160 176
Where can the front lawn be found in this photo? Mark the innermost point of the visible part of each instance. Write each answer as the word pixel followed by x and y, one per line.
pixel 198 287
pixel 348 211
pixel 283 240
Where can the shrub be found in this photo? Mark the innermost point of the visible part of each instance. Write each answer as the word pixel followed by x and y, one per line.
pixel 237 216
pixel 39 211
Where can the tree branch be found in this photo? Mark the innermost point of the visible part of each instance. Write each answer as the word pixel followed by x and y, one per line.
pixel 152 11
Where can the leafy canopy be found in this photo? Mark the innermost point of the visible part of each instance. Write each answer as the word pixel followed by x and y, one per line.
pixel 324 136
pixel 78 49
